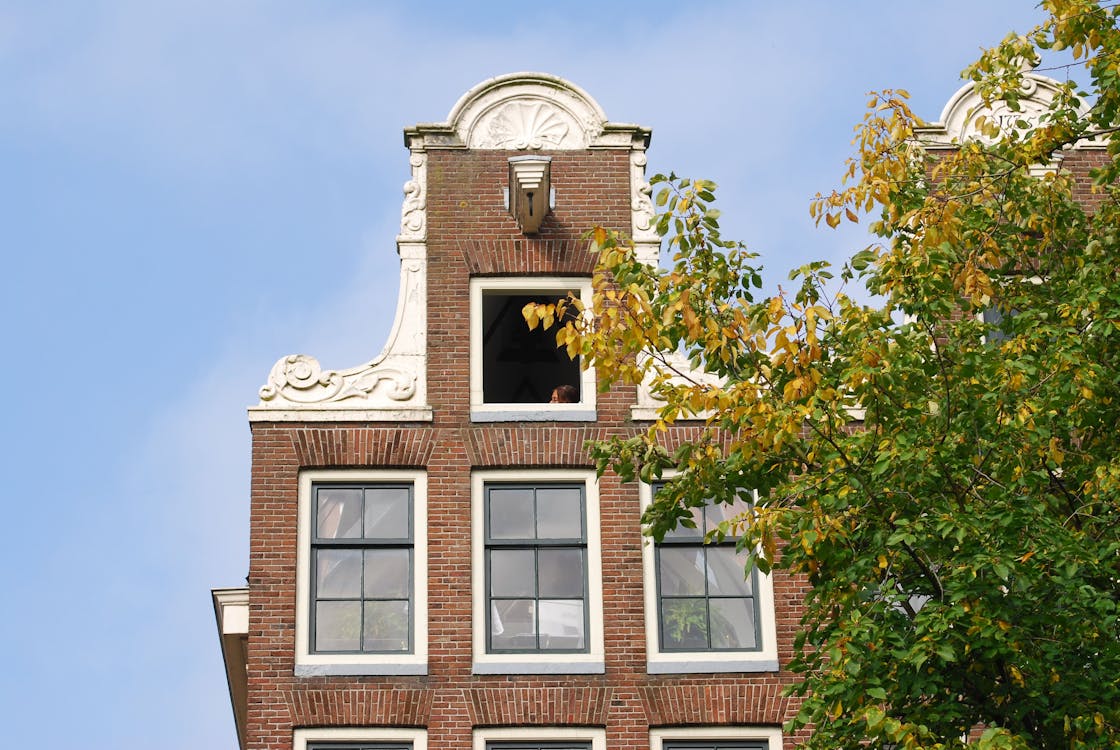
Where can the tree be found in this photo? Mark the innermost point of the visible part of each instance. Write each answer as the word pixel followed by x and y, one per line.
pixel 947 479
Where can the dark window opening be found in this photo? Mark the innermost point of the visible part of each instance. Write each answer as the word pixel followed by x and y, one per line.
pixel 521 366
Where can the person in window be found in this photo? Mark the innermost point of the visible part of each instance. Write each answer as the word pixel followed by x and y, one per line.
pixel 564 394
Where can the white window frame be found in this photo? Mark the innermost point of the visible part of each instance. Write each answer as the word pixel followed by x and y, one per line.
pixel 309 664
pixel 481 411
pixel 772 736
pixel 592 662
pixel 765 659
pixel 595 735
pixel 301 738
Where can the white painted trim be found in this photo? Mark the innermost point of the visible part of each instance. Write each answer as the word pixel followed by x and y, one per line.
pixel 539 413
pixel 592 662
pixel 680 662
pixel 772 736
pixel 231 608
pixel 301 738
pixel 595 735
pixel 308 664
pixel 500 412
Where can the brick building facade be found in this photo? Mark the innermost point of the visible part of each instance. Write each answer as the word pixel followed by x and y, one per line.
pixel 432 560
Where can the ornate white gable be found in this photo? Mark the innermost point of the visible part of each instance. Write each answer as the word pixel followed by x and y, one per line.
pixel 516 112
pixel 958 120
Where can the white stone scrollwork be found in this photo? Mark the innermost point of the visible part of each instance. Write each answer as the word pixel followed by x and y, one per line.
pixel 299 379
pixel 414 210
pixel 641 206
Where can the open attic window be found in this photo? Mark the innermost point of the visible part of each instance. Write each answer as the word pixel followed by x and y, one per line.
pixel 514 370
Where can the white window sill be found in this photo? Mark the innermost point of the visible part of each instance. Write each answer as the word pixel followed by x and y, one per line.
pixel 532 414
pixel 536 666
pixel 710 663
pixel 342 669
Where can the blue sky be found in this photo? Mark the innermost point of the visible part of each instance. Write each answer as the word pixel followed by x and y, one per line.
pixel 190 190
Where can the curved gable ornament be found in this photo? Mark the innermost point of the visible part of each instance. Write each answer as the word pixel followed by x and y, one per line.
pixel 515 112
pixel 527 112
pixel 958 122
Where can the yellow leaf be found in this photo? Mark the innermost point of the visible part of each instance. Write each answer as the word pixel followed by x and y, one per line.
pixel 600 236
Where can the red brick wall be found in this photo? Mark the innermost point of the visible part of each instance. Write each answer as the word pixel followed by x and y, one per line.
pixel 471 233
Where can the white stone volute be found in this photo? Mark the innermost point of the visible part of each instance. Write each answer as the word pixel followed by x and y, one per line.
pixel 414 210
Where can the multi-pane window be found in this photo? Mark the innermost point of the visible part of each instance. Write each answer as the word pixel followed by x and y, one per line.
pixel 360 746
pixel 538 746
pixel 705 599
pixel 536 568
pixel 362 568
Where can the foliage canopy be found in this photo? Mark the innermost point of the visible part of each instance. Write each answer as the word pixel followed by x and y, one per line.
pixel 946 478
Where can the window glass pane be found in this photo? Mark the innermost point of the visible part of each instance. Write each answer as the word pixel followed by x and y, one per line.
pixel 337 626
pixel 681 570
pixel 561 623
pixel 339 513
pixel 724 512
pixel 512 572
pixel 385 627
pixel 513 624
pixel 732 623
pixel 561 572
pixel 387 573
pixel 338 573
pixel 559 513
pixel 684 623
pixel 511 513
pixel 727 572
pixel 683 532
pixel 387 513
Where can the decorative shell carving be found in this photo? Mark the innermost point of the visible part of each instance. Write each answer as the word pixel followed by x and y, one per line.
pixel 524 125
